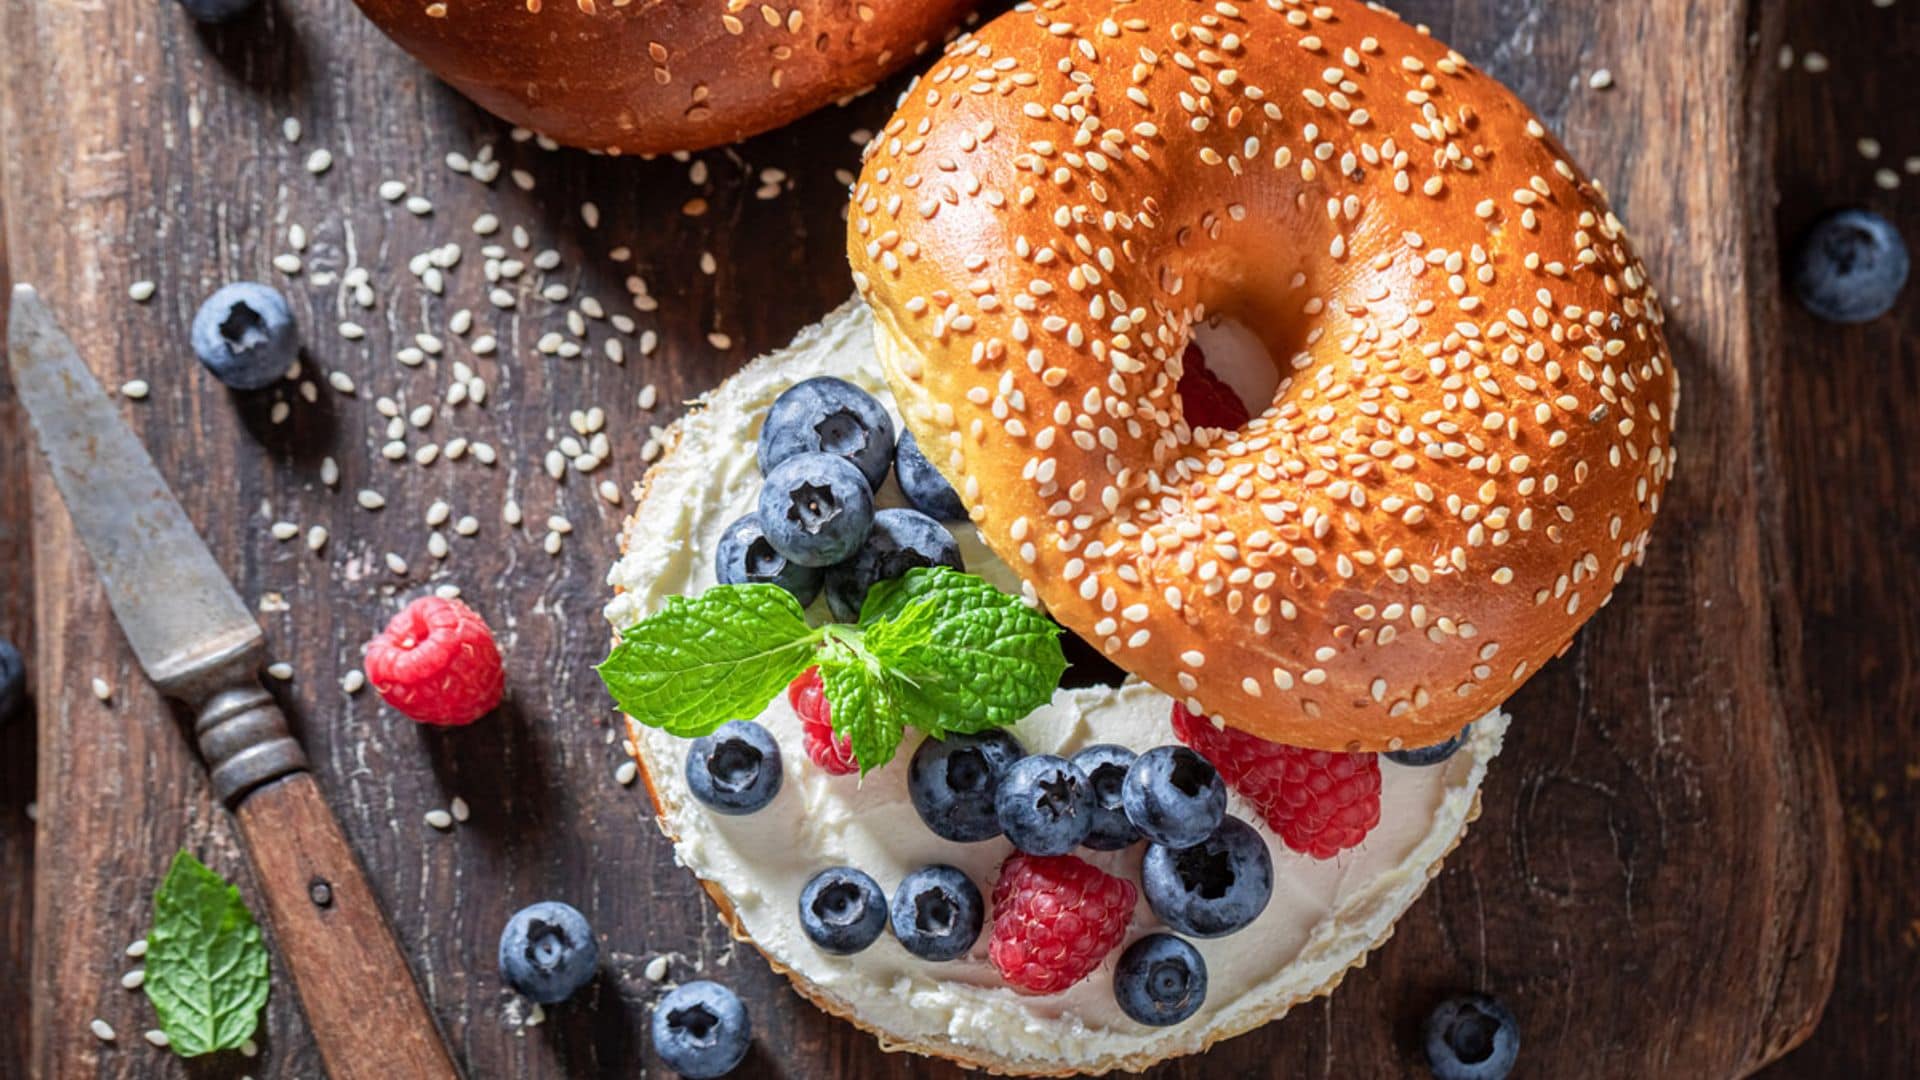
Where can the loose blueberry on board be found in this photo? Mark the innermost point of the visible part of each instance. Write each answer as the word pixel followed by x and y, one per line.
pixel 245 334
pixel 1430 755
pixel 901 540
pixel 922 484
pixel 1213 888
pixel 830 416
pixel 816 509
pixel 1471 1037
pixel 937 913
pixel 13 681
pixel 1850 267
pixel 1106 766
pixel 1044 805
pixel 735 770
pixel 1173 796
pixel 745 557
pixel 548 952
pixel 842 910
pixel 1160 980
pixel 953 781
pixel 216 11
pixel 701 1030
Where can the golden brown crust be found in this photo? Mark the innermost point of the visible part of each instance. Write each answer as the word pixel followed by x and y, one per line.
pixel 969 1056
pixel 651 76
pixel 1472 429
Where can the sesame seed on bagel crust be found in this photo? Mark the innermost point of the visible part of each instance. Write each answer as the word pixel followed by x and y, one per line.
pixel 652 76
pixel 1472 427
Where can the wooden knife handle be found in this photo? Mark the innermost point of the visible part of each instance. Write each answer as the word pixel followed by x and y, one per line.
pixel 367 1014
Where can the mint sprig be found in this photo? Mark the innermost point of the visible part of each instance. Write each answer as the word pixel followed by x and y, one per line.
pixel 936 649
pixel 206 963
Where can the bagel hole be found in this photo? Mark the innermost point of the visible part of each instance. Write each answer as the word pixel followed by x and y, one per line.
pixel 1236 356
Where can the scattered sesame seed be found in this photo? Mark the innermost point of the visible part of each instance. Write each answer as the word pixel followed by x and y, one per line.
pixel 101 689
pixel 287 263
pixel 461 811
pixel 626 773
pixel 1814 63
pixel 396 564
pixel 392 190
pixel 316 538
pixel 140 291
pixel 656 969
pixel 280 670
pixel 134 979
pixel 136 389
pixel 1869 148
pixel 371 499
pixel 1601 79
pixel 719 340
pixel 1886 179
pixel 353 681
pixel 137 948
pixel 352 331
pixel 101 1030
pixel 419 205
pixel 319 161
pixel 590 214
pixel 157 1037
pixel 440 819
pixel 285 530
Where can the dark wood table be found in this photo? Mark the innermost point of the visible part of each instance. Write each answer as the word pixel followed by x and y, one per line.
pixel 1655 883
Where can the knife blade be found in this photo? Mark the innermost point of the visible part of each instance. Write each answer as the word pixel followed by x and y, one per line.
pixel 175 604
pixel 198 643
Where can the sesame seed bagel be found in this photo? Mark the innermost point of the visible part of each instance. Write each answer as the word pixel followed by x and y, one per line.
pixel 1472 424
pixel 652 76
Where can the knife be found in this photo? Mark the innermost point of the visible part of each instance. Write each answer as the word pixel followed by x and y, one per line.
pixel 197 641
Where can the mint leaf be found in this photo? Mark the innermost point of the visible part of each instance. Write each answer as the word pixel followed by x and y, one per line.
pixel 975 657
pixel 206 965
pixel 866 699
pixel 709 659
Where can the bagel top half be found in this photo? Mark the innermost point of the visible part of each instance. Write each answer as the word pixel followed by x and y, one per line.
pixel 1471 429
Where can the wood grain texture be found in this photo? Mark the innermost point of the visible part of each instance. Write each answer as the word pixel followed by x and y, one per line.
pixel 1652 882
pixel 333 937
pixel 1849 400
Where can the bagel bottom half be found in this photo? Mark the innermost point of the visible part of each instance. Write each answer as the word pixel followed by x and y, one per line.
pixel 1324 918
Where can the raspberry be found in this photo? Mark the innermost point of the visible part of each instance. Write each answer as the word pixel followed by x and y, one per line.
pixel 1319 802
pixel 808 696
pixel 1206 399
pixel 436 662
pixel 1054 918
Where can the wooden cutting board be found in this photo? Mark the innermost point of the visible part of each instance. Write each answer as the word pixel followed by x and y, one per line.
pixel 1654 884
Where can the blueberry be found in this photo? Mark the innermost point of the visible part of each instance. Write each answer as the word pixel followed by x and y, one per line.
pixel 746 558
pixel 815 509
pixel 831 416
pixel 13 681
pixel 701 1030
pixel 937 913
pixel 1850 267
pixel 1160 980
pixel 735 770
pixel 1430 755
pixel 1173 796
pixel 1045 805
pixel 901 540
pixel 1213 888
pixel 214 11
pixel 548 952
pixel 1106 767
pixel 922 484
pixel 245 334
pixel 1471 1037
pixel 842 910
pixel 953 782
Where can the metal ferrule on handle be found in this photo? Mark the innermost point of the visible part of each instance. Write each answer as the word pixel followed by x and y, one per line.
pixel 244 737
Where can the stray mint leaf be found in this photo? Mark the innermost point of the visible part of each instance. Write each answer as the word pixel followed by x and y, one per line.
pixel 936 649
pixel 206 964
pixel 709 659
